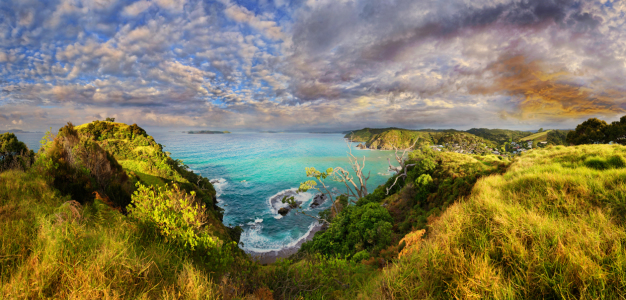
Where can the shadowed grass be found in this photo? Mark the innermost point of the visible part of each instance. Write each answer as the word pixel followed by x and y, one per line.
pixel 551 227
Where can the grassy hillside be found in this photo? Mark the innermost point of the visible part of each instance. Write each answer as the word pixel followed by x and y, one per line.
pixel 547 225
pixel 499 136
pixel 52 247
pixel 551 227
pixel 539 136
pixel 388 138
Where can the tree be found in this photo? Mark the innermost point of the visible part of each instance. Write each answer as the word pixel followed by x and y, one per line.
pixel 110 119
pixel 540 129
pixel 14 153
pixel 403 166
pixel 354 190
pixel 616 132
pixel 592 131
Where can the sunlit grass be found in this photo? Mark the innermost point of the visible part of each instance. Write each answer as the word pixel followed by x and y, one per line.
pixel 550 227
pixel 53 248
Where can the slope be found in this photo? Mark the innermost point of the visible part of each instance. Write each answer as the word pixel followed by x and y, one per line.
pixel 551 227
pixel 539 136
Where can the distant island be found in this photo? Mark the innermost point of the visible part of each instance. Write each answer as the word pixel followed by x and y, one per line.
pixel 207 132
pixel 269 131
pixel 16 131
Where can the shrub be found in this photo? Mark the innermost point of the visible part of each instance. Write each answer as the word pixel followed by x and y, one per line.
pixel 13 153
pixel 173 213
pixel 361 255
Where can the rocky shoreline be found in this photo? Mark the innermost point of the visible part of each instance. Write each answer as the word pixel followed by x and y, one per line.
pixel 271 256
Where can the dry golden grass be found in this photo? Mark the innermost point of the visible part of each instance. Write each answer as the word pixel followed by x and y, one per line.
pixel 551 227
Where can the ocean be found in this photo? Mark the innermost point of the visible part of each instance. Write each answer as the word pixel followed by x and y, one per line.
pixel 252 168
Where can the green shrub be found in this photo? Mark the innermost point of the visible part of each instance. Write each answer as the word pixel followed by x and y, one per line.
pixel 173 213
pixel 361 255
pixel 356 228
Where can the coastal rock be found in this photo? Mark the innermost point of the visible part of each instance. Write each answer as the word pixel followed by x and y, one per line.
pixel 283 211
pixel 361 146
pixel 277 203
pixel 318 200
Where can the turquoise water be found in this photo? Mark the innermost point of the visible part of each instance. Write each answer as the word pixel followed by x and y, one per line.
pixel 253 167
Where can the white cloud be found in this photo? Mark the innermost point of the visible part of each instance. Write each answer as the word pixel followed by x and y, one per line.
pixel 137 8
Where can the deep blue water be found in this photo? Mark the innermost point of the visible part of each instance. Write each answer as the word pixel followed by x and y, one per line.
pixel 253 167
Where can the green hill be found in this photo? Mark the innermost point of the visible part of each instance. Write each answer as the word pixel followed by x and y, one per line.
pixel 499 136
pixel 539 136
pixel 551 227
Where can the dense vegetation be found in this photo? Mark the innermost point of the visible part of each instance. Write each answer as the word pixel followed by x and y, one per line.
pixel 499 136
pixel 13 153
pixel 595 131
pixel 102 212
pixel 551 227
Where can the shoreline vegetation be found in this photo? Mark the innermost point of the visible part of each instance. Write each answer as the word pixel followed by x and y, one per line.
pixel 101 211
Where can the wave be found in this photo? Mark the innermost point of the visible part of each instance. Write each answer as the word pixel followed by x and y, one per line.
pixel 254 236
pixel 220 185
pixel 275 202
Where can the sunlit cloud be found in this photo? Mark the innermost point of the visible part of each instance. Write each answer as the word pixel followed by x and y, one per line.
pixel 312 64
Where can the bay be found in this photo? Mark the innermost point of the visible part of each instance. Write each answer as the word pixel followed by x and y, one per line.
pixel 253 167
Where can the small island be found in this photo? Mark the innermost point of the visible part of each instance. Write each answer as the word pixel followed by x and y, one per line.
pixel 207 132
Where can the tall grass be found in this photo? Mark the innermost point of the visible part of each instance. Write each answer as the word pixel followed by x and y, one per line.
pixel 551 227
pixel 52 247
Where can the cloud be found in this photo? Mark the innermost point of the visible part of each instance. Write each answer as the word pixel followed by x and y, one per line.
pixel 303 64
pixel 550 95
pixel 137 8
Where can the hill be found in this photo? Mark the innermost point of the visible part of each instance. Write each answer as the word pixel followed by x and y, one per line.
pixel 499 136
pixel 547 224
pixel 452 140
pixel 539 136
pixel 550 227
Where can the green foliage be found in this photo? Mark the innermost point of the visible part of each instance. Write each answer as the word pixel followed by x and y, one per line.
pixel 54 248
pixel 438 180
pixel 361 255
pixel 550 227
pixel 13 153
pixel 312 276
pixel 356 228
pixel 79 167
pixel 499 136
pixel 173 213
pixel 591 131
pixel 557 137
pixel 110 119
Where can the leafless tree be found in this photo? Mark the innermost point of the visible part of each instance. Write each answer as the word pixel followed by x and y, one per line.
pixel 402 162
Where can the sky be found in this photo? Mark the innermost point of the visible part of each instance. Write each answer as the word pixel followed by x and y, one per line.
pixel 312 64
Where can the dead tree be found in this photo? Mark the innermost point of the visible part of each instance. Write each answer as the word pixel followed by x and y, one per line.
pixel 342 175
pixel 403 166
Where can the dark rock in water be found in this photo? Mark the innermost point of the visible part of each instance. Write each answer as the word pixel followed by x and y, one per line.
pixel 361 146
pixel 283 211
pixel 215 181
pixel 277 201
pixel 318 200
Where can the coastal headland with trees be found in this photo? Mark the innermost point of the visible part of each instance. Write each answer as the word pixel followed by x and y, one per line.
pixel 100 210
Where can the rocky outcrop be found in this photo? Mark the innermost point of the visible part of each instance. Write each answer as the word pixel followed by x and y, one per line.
pixel 318 200
pixel 361 146
pixel 283 211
